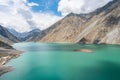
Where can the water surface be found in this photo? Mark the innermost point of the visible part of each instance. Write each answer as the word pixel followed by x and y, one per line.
pixel 52 61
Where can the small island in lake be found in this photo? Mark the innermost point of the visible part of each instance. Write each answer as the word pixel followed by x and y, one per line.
pixel 84 50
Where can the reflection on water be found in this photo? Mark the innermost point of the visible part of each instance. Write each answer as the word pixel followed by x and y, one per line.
pixel 60 62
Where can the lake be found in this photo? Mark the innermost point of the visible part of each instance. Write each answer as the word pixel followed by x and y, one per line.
pixel 60 61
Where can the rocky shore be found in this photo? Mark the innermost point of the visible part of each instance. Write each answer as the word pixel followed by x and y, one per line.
pixel 5 56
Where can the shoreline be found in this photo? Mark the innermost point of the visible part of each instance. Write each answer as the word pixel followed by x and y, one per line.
pixel 5 56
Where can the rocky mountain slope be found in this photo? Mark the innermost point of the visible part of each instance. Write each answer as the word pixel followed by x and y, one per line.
pixel 100 26
pixel 7 52
pixel 6 34
pixel 6 38
pixel 5 43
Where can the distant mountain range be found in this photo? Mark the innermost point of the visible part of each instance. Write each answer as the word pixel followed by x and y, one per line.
pixel 100 26
pixel 10 36
pixel 26 36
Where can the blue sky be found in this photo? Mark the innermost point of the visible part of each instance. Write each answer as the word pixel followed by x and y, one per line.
pixel 25 15
pixel 47 6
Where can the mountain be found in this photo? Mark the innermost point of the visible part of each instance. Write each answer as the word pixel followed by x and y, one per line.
pixel 26 36
pixel 6 34
pixel 100 26
pixel 32 35
pixel 6 38
pixel 7 52
pixel 5 43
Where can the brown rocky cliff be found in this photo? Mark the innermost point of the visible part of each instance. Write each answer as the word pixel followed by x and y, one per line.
pixel 100 26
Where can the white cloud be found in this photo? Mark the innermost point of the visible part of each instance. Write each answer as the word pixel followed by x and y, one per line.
pixel 80 6
pixel 33 4
pixel 45 20
pixel 17 14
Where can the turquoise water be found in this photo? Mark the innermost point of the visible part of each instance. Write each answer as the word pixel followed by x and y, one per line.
pixel 52 61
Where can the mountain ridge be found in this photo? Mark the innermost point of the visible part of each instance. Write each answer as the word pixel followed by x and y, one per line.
pixel 26 36
pixel 5 33
pixel 97 27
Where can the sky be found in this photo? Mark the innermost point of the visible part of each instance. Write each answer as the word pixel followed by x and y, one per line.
pixel 25 15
